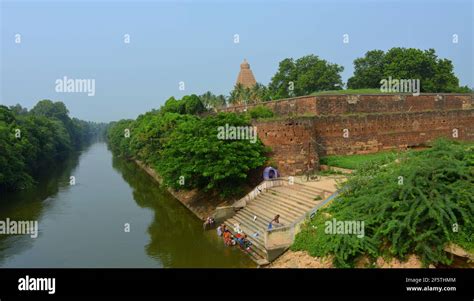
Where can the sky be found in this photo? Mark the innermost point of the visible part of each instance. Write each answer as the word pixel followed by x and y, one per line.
pixel 194 42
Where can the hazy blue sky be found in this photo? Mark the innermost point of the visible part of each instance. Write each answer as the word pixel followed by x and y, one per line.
pixel 173 41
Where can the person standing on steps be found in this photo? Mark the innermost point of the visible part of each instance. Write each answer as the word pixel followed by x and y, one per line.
pixel 275 222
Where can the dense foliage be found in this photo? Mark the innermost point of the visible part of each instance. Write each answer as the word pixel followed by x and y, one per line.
pixel 304 76
pixel 260 112
pixel 420 213
pixel 242 95
pixel 185 149
pixel 212 101
pixel 435 74
pixel 189 104
pixel 30 139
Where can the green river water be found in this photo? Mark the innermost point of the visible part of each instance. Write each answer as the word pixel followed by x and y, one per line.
pixel 84 225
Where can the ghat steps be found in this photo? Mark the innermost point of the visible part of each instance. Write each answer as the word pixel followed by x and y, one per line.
pixel 291 202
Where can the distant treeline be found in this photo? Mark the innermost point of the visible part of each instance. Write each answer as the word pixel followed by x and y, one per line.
pixel 31 139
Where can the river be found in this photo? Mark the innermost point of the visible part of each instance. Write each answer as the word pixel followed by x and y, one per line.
pixel 84 225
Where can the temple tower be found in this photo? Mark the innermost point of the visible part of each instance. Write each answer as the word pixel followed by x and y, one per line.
pixel 245 76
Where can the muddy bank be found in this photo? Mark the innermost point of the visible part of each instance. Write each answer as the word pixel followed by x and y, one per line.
pixel 301 259
pixel 200 203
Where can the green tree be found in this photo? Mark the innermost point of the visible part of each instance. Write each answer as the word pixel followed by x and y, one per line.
pixel 211 101
pixel 306 75
pixel 368 70
pixel 195 153
pixel 30 140
pixel 435 74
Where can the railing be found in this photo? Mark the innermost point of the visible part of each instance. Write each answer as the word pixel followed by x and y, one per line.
pixel 225 212
pixel 283 237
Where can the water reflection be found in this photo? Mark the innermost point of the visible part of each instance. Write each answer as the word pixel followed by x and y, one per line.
pixel 32 203
pixel 83 225
pixel 176 235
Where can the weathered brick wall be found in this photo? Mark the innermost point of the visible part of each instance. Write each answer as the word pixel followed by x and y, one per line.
pixel 347 104
pixel 297 141
pixel 374 103
pixel 376 132
pixel 375 122
pixel 292 142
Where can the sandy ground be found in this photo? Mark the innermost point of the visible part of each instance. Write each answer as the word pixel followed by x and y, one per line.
pixel 327 182
pixel 301 259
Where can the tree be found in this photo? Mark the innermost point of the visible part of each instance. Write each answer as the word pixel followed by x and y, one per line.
pixel 29 140
pixel 435 74
pixel 239 95
pixel 189 104
pixel 212 101
pixel 304 76
pixel 195 154
pixel 368 70
pixel 259 93
pixel 193 104
pixel 255 94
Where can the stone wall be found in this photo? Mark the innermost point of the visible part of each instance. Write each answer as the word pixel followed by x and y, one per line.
pixel 292 142
pixel 297 141
pixel 376 132
pixel 369 103
pixel 312 126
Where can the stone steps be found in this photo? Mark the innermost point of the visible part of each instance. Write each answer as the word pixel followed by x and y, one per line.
pixel 281 206
pixel 291 202
pixel 285 201
pixel 296 201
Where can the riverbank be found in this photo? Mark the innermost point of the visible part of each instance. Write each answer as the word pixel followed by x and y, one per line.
pixel 301 259
pixel 200 203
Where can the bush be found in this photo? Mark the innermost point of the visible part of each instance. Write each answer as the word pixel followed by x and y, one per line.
pixel 416 217
pixel 260 112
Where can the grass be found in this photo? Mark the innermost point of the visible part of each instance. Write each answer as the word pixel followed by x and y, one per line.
pixel 350 91
pixel 356 161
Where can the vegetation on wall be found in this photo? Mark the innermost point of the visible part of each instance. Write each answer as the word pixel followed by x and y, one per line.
pixel 415 205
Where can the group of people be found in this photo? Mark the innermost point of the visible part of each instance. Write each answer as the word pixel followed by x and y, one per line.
pixel 240 238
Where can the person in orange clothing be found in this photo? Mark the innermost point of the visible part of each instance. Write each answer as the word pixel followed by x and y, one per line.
pixel 228 238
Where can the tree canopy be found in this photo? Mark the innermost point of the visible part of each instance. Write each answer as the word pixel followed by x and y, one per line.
pixel 304 76
pixel 186 150
pixel 435 74
pixel 29 139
